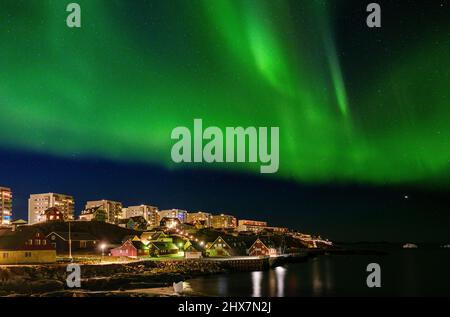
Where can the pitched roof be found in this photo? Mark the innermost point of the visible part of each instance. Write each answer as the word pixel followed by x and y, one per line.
pixel 156 235
pixel 15 240
pixel 165 245
pixel 128 242
pixel 19 222
pixel 218 239
pixel 52 209
pixel 139 245
pixel 267 242
pixel 138 218
pixel 74 236
pixel 131 237
pixel 91 210
pixel 192 248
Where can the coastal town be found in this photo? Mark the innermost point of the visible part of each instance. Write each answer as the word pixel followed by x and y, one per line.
pixel 139 250
pixel 105 231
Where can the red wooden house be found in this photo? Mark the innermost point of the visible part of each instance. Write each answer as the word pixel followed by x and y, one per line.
pixel 131 248
pixel 259 248
pixel 53 214
pixel 126 249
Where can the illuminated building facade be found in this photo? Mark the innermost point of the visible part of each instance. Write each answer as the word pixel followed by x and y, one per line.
pixel 174 213
pixel 200 218
pixel 150 213
pixel 112 208
pixel 39 203
pixel 5 205
pixel 223 222
pixel 251 225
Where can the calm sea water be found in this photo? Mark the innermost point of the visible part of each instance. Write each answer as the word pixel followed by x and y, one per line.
pixel 404 272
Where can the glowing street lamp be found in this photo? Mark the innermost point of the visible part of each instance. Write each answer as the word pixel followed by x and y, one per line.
pixel 103 246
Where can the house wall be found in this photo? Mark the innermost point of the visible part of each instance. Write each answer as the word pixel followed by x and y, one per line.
pixel 35 256
pixel 143 252
pixel 213 252
pixel 192 255
pixel 125 250
pixel 62 246
pixel 258 249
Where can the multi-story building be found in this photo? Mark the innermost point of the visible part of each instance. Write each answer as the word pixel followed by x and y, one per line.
pixel 223 221
pixel 174 213
pixel 251 225
pixel 199 218
pixel 5 206
pixel 112 208
pixel 278 229
pixel 150 213
pixel 39 203
pixel 123 215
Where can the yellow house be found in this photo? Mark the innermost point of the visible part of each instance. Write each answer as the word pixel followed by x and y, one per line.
pixel 25 247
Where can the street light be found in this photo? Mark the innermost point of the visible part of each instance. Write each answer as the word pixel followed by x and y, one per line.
pixel 70 243
pixel 103 246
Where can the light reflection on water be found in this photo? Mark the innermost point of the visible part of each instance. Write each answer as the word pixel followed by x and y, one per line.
pixel 404 273
pixel 276 282
pixel 256 283
pixel 322 276
pixel 280 273
pixel 316 278
pixel 222 283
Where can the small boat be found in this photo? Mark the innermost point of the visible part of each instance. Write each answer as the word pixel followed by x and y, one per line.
pixel 410 246
pixel 446 246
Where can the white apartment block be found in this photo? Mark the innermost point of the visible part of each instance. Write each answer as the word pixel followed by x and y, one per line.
pixel 39 203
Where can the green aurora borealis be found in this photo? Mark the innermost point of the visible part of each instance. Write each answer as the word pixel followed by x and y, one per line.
pixel 116 88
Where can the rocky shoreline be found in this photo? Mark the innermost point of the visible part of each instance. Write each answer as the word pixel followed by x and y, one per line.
pixel 101 280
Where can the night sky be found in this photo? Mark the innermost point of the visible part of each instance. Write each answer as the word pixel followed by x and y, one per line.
pixel 363 113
